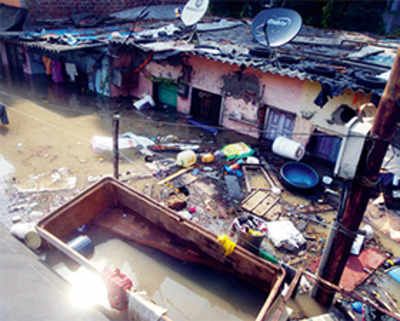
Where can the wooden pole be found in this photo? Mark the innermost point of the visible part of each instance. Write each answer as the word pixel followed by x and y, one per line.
pixel 355 203
pixel 116 118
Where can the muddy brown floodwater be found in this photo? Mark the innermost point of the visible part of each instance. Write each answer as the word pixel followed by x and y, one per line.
pixel 49 132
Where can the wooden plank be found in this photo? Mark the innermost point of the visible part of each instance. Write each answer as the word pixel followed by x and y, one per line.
pixel 80 210
pixel 175 175
pixel 127 224
pixel 255 198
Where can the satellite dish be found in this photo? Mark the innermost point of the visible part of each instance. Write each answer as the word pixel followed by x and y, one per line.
pixel 275 27
pixel 193 11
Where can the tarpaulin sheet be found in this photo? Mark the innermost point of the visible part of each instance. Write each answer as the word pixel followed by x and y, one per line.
pixel 354 274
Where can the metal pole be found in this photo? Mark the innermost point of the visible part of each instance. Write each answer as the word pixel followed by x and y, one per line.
pixel 348 221
pixel 116 118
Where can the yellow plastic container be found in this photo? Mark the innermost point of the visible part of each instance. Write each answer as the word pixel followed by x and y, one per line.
pixel 207 158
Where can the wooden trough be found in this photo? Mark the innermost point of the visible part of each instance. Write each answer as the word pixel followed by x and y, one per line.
pixel 134 216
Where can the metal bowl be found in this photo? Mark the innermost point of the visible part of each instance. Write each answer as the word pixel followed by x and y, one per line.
pixel 299 175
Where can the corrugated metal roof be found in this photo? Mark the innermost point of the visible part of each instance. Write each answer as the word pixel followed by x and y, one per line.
pixel 44 45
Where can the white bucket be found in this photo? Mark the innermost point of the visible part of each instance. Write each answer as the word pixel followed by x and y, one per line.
pixel 27 233
pixel 288 148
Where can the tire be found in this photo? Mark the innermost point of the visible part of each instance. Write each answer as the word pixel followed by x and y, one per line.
pixel 321 70
pixel 369 80
pixel 260 52
pixel 288 60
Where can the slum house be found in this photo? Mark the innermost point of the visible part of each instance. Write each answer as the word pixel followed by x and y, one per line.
pixel 316 84
pixel 217 73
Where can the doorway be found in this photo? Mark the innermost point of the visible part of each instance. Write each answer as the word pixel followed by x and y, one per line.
pixel 166 93
pixel 205 107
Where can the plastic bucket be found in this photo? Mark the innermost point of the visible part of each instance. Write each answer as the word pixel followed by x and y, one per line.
pixel 288 148
pixel 250 242
pixel 27 233
pixel 82 244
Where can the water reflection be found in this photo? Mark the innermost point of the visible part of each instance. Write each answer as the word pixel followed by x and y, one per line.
pixel 189 292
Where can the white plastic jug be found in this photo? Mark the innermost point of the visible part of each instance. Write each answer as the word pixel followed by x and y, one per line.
pixel 186 158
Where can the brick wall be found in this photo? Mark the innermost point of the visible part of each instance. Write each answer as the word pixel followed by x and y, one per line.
pixel 63 8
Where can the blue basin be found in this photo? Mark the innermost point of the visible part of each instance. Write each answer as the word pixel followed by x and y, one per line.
pixel 299 175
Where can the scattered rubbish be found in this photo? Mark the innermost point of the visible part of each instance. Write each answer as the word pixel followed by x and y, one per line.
pixel 168 139
pixel 176 203
pixel 185 214
pixel 233 187
pixel 173 147
pixel 357 244
pixel 357 306
pixel 327 180
pixel 227 244
pixel 345 310
pixel 145 103
pixel 16 219
pixel 117 285
pixel 82 244
pixel 251 160
pixel 284 234
pixel 288 148
pixel 394 273
pixel 207 158
pixel 54 181
pixel 35 216
pixel 368 231
pixel 175 175
pixel 299 175
pixel 186 158
pixel 266 256
pixel 27 233
pixel 237 150
pixel 127 140
pixel 258 171
pixel 251 240
pixel 250 231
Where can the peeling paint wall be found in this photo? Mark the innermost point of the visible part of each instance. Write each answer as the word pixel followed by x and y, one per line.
pixel 207 74
pixel 284 93
pixel 144 87
pixel 248 124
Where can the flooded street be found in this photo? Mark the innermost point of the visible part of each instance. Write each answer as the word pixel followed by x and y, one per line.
pixel 49 145
pixel 47 134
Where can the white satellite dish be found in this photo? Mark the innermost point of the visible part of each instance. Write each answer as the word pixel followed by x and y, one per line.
pixel 193 11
